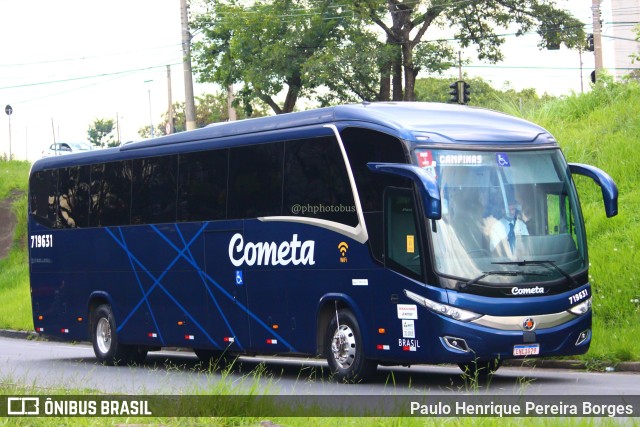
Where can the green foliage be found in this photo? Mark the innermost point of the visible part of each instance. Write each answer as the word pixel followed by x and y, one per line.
pixel 210 108
pixel 482 95
pixel 265 46
pixel 349 70
pixel 99 133
pixel 297 47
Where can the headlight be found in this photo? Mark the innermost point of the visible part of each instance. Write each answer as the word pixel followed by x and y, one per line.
pixel 581 308
pixel 444 309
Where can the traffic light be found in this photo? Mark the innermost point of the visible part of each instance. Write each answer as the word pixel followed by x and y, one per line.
pixel 455 95
pixel 590 43
pixel 459 92
pixel 466 92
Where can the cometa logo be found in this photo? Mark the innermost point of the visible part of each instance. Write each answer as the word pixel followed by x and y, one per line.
pixel 342 247
pixel 527 291
pixel 270 253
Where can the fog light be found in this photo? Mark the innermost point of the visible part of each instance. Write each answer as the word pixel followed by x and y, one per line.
pixel 456 343
pixel 584 336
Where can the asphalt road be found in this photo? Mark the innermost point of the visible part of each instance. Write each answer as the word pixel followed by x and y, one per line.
pixel 73 366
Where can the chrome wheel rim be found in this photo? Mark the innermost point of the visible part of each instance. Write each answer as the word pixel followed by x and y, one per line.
pixel 343 346
pixel 103 335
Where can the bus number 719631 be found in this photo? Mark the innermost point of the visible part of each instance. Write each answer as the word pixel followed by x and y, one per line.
pixel 42 241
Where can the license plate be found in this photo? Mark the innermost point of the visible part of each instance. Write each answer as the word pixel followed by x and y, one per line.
pixel 526 349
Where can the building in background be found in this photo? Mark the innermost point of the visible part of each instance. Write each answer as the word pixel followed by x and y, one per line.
pixel 620 18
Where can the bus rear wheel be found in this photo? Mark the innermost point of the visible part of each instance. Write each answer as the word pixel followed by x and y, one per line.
pixel 105 341
pixel 344 349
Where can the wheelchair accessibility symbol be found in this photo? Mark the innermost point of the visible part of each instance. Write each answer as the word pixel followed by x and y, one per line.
pixel 239 280
pixel 502 159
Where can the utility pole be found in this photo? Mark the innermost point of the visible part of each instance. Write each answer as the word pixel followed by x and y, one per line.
pixel 118 127
pixel 232 111
pixel 53 129
pixel 597 36
pixel 170 128
pixel 190 108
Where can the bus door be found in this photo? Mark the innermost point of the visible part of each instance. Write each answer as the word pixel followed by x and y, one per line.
pixel 403 254
pixel 229 315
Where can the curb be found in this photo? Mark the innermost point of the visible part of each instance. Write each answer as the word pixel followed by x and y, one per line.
pixel 28 335
pixel 516 363
pixel 571 364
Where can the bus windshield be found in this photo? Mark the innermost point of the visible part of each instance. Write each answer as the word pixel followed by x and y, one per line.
pixel 507 217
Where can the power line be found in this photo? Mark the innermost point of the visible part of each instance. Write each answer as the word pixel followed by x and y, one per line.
pixel 84 58
pixel 87 77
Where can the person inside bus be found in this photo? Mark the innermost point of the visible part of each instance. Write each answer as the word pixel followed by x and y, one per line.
pixel 503 233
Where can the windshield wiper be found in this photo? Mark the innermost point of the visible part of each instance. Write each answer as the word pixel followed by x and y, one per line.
pixel 496 273
pixel 551 265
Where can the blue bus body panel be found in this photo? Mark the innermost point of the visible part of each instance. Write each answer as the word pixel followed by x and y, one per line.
pixel 189 275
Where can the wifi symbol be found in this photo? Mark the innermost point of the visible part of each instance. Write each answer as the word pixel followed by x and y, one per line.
pixel 342 247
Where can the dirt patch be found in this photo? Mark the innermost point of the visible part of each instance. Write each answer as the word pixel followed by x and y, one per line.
pixel 7 224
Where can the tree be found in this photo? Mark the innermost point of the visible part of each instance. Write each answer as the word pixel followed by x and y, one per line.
pixel 99 133
pixel 298 47
pixel 266 46
pixel 477 22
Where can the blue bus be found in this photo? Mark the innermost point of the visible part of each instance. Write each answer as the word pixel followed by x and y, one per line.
pixel 372 234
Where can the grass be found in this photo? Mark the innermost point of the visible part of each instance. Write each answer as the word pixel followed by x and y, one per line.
pixel 15 311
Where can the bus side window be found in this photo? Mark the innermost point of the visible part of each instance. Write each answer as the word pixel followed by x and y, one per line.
pixel 73 201
pixel 154 190
pixel 202 185
pixel 403 252
pixel 255 181
pixel 110 194
pixel 316 183
pixel 364 146
pixel 43 197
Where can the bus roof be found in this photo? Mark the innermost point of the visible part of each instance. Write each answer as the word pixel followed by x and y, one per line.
pixel 407 120
pixel 416 122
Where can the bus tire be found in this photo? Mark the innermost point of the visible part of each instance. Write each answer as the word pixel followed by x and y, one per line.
pixel 105 339
pixel 344 349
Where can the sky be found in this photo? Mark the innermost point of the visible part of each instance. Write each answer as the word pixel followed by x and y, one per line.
pixel 65 63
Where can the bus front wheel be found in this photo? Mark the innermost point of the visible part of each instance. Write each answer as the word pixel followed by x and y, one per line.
pixel 105 339
pixel 344 349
